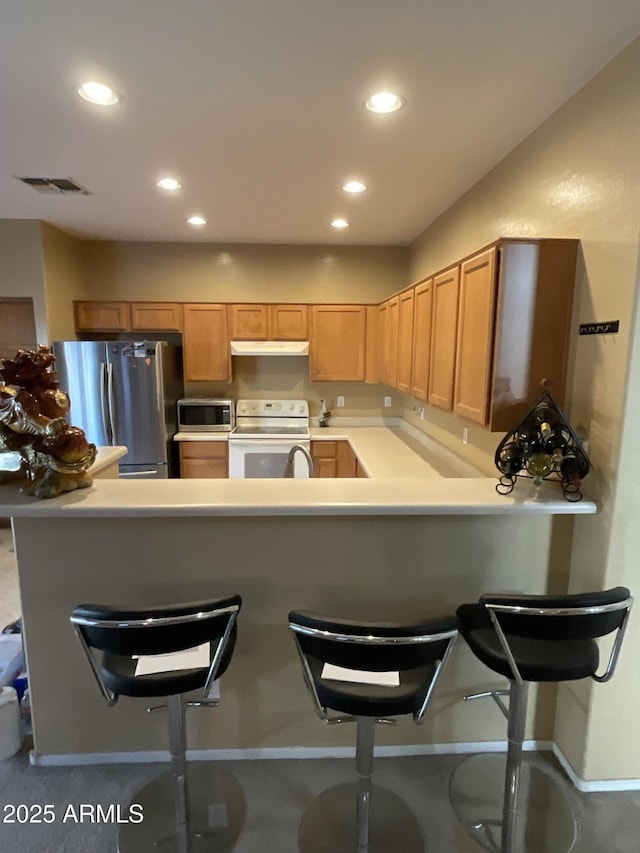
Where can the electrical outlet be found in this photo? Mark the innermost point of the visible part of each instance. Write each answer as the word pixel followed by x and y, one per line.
pixel 387 402
pixel 465 435
pixel 340 402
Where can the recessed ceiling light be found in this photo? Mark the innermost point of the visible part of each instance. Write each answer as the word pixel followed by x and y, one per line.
pixel 339 223
pixel 385 102
pixel 98 93
pixel 354 187
pixel 197 220
pixel 168 184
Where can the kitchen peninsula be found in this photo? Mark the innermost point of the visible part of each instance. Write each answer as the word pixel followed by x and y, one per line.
pixel 381 548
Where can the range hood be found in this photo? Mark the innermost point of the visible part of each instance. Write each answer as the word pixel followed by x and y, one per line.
pixel 269 347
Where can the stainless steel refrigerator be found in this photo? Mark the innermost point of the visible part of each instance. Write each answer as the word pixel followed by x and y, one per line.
pixel 124 393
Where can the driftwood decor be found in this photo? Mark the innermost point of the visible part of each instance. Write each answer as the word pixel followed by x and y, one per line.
pixel 53 456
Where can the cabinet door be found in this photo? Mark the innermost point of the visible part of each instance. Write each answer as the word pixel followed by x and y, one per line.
pixel 405 340
pixel 203 459
pixel 249 322
pixel 337 344
pixel 346 460
pixel 206 343
pixel 421 339
pixel 474 354
pixel 156 316
pixel 392 341
pixel 101 316
pixel 288 322
pixel 446 288
pixel 383 341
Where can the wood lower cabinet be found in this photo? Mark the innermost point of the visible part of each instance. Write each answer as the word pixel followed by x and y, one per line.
pixel 155 316
pixel 405 340
pixel 203 459
pixel 101 316
pixel 421 340
pixel 338 343
pixel 333 459
pixel 446 287
pixel 474 349
pixel 207 355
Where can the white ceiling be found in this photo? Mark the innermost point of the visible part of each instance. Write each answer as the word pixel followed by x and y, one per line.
pixel 258 107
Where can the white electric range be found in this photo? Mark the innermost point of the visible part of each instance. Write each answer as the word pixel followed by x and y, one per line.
pixel 265 432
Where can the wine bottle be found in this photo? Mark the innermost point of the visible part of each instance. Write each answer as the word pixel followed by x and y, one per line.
pixel 543 413
pixel 557 442
pixel 573 465
pixel 527 437
pixel 540 465
pixel 511 459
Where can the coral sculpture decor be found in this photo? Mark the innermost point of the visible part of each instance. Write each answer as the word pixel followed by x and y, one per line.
pixel 53 456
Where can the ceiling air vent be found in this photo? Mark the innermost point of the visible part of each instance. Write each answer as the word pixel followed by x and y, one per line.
pixel 61 186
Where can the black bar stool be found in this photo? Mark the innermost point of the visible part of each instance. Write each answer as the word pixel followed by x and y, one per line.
pixel 533 638
pixel 196 802
pixel 417 652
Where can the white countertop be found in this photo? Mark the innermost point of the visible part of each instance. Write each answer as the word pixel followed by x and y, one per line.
pixel 402 481
pixel 105 457
pixel 201 436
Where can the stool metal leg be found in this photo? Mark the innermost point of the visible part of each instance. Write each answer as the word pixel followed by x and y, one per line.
pixel 364 771
pixel 178 748
pixel 515 732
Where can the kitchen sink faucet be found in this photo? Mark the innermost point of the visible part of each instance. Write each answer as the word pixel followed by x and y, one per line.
pixel 288 471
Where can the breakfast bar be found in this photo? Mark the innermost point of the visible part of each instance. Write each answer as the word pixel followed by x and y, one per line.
pixel 382 548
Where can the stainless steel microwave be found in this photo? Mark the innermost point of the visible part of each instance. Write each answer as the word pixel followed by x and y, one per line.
pixel 203 414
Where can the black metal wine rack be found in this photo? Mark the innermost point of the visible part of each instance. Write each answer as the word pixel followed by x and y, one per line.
pixel 543 446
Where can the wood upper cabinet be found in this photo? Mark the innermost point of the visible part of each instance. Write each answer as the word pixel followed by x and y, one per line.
pixel 405 340
pixel 421 352
pixel 535 285
pixel 206 343
pixel 101 316
pixel 278 322
pixel 249 322
pixel 393 311
pixel 156 316
pixel 383 341
pixel 474 349
pixel 446 288
pixel 288 322
pixel 203 459
pixel 338 343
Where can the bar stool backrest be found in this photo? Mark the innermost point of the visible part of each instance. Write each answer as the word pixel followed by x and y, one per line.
pixel 128 631
pixel 377 647
pixel 583 616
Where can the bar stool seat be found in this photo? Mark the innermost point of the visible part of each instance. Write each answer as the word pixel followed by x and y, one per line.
pixel 193 807
pixel 529 638
pixel 367 818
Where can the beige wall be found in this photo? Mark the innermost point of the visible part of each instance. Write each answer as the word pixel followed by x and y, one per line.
pixel 577 176
pixel 288 378
pixel 21 273
pixel 64 280
pixel 197 272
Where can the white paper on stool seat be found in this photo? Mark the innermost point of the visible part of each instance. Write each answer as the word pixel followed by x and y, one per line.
pixel 198 657
pixel 360 676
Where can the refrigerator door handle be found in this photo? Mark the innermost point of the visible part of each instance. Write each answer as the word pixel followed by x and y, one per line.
pixel 112 404
pixel 103 399
pixel 151 472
